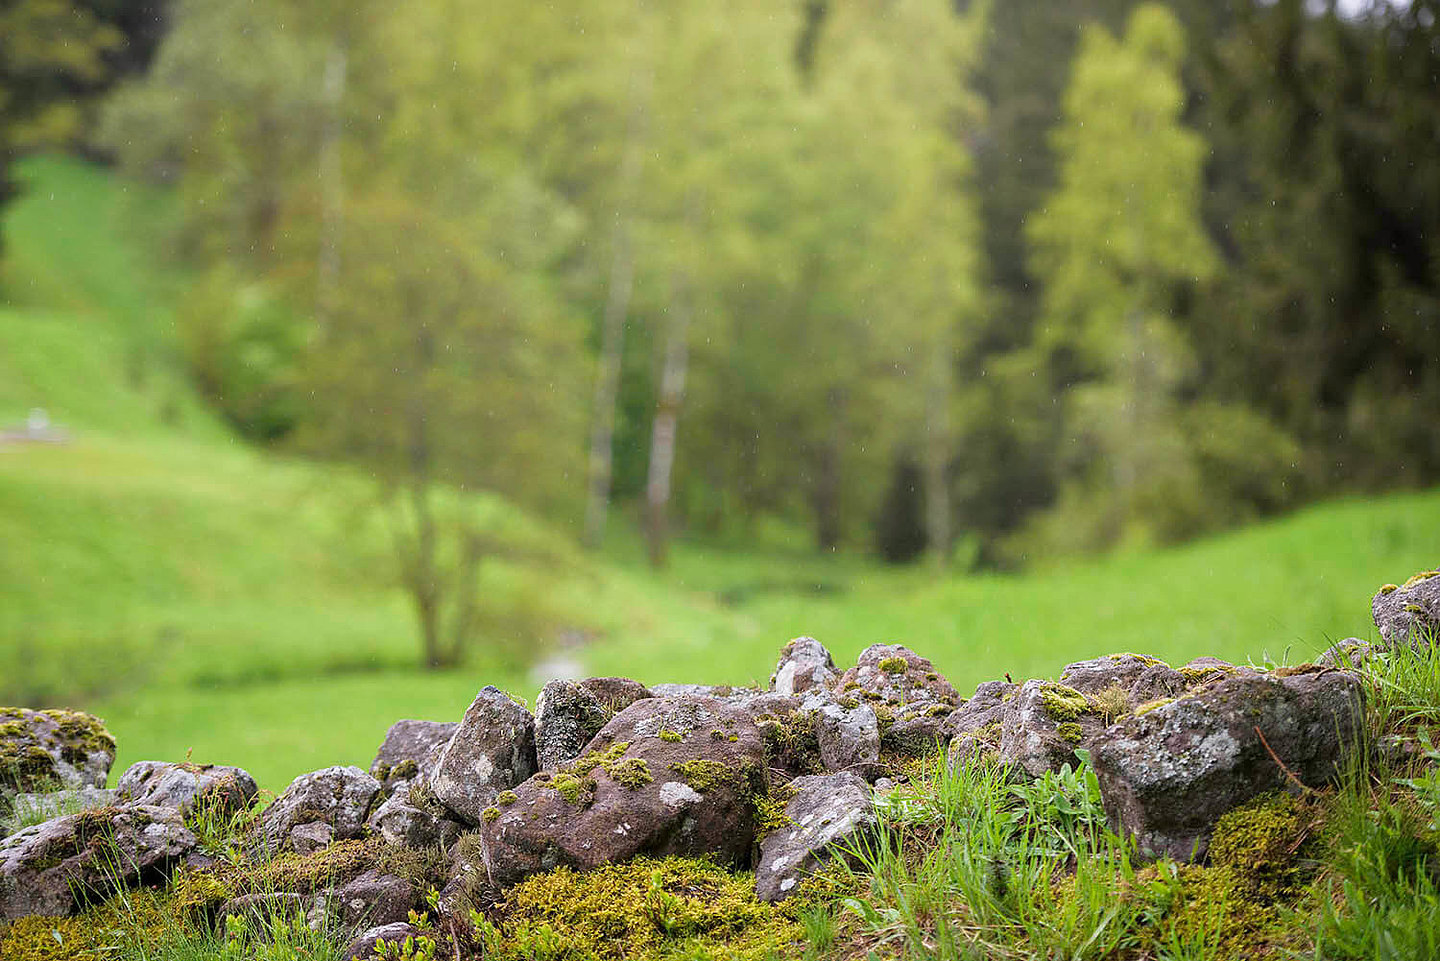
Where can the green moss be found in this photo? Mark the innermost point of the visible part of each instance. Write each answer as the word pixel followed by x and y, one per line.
pixel 672 736
pixel 81 733
pixel 490 815
pixel 770 810
pixel 644 909
pixel 632 772
pixel 1194 675
pixel 405 770
pixel 127 925
pixel 704 775
pixel 335 865
pixel 1217 907
pixel 1389 588
pixel 1258 842
pixel 602 759
pixel 579 791
pixel 506 798
pixel 1063 703
pixel 1146 659
pixel 791 742
pixel 1070 732
pixel 893 665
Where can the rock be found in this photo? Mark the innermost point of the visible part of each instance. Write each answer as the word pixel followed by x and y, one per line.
pixel 40 750
pixel 364 945
pixel 375 899
pixel 1410 613
pixel 974 728
pixel 312 836
pixel 566 717
pixel 410 750
pixel 804 664
pixel 616 693
pixel 1349 654
pixel 1141 678
pixel 43 868
pixel 492 750
pixel 847 736
pixel 1045 724
pixel 184 787
pixel 338 797
pixel 260 907
pixel 401 821
pixel 37 808
pixel 1167 775
pixel 667 775
pixel 897 675
pixel 721 692
pixel 826 810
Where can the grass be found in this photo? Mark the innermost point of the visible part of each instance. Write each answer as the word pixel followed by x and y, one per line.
pixel 204 595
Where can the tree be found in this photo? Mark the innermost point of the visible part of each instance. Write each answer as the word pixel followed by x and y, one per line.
pixel 1117 245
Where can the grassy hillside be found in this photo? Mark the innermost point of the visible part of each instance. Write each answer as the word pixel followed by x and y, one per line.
pixel 201 594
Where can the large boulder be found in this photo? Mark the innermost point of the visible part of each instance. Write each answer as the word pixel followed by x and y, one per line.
pixel 35 808
pixel 331 804
pixel 184 787
pixel 493 749
pixel 826 812
pixel 1168 774
pixel 1408 613
pixel 569 713
pixel 43 750
pixel 896 675
pixel 667 775
pixel 375 898
pixel 44 869
pixel 410 750
pixel 804 664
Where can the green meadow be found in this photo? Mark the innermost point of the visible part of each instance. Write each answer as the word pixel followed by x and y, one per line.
pixel 212 599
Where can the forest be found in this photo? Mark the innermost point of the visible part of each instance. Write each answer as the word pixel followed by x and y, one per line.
pixel 993 283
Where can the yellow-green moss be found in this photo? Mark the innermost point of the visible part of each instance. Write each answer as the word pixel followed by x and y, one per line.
pixel 704 775
pixel 126 925
pixel 1389 588
pixel 1417 578
pixel 1070 732
pixel 893 665
pixel 770 810
pixel 1258 842
pixel 1194 675
pixel 790 741
pixel 574 790
pixel 490 815
pixel 1146 659
pixel 81 734
pixel 1110 702
pixel 1216 904
pixel 645 909
pixel 506 798
pixel 1063 703
pixel 633 772
pixel 1149 706
pixel 405 770
pixel 673 737
pixel 334 865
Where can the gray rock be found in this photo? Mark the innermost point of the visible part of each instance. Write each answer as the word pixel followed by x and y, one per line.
pixel 400 821
pixel 804 664
pixel 720 692
pixel 339 797
pixel 312 836
pixel 410 749
pixel 847 736
pixel 897 675
pixel 1142 678
pixel 44 868
pixel 364 945
pixel 492 750
pixel 826 811
pixel 42 750
pixel 569 713
pixel 673 782
pixel 1041 731
pixel 1167 776
pixel 374 899
pixel 186 786
pixel 1410 613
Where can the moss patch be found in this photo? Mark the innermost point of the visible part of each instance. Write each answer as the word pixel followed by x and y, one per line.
pixel 1258 842
pixel 704 775
pixel 1070 732
pixel 1063 703
pixel 893 665
pixel 127 925
pixel 671 908
pixel 1417 578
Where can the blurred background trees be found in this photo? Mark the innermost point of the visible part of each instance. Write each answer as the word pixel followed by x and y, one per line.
pixel 988 282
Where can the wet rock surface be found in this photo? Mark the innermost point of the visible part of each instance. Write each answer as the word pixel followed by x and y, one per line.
pixel 1167 775
pixel 804 664
pixel 827 811
pixel 410 750
pixel 569 713
pixel 44 868
pixel 897 675
pixel 492 750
